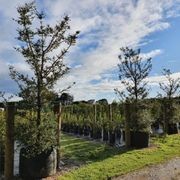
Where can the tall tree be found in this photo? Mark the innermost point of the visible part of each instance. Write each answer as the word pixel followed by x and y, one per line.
pixel 38 42
pixel 133 70
pixel 170 89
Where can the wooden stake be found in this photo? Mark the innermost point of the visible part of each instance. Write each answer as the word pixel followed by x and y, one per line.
pixel 9 141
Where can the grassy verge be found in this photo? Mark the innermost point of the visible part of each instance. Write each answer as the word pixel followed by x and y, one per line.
pixel 104 161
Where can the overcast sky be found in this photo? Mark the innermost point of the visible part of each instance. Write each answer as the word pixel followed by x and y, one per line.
pixel 105 25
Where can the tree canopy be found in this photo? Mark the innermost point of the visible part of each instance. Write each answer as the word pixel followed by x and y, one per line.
pixel 44 48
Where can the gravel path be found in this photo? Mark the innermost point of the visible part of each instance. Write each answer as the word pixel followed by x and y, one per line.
pixel 169 170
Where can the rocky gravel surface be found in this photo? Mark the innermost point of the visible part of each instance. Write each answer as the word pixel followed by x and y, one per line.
pixel 169 170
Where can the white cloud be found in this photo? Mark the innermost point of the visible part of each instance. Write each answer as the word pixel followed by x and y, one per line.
pixel 152 54
pixel 127 25
pixel 155 80
pixel 109 25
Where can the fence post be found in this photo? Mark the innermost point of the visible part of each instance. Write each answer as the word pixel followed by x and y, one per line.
pixel 57 112
pixel 127 126
pixel 9 141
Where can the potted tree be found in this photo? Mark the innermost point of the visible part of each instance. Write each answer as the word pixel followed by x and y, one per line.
pixel 133 70
pixel 169 102
pixel 140 124
pixel 38 156
pixel 38 41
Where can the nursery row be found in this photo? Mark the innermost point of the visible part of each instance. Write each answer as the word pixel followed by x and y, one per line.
pixel 115 137
pixel 100 121
pixel 95 116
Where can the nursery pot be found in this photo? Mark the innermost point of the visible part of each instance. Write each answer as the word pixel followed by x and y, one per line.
pixel 40 166
pixel 91 132
pixel 71 128
pixel 172 129
pixel 80 130
pixel 139 139
pixel 111 138
pixel 1 160
pixel 97 133
pixel 67 129
pixel 105 135
pixel 76 129
pixel 86 130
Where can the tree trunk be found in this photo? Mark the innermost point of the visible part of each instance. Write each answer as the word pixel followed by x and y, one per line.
pixel 39 102
pixel 9 141
pixel 166 117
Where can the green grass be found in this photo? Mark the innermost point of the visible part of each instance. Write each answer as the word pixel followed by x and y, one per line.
pixel 104 161
pixel 83 151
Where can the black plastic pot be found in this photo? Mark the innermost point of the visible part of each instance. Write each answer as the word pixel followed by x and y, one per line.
pixel 1 160
pixel 118 133
pixel 75 129
pixel 41 166
pixel 71 128
pixel 139 139
pixel 86 131
pixel 111 138
pixel 80 130
pixel 97 134
pixel 105 135
pixel 67 129
pixel 172 129
pixel 91 132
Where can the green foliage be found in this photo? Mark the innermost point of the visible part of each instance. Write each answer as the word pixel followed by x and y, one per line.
pixel 133 69
pixel 37 139
pixel 139 116
pixel 170 89
pixel 144 120
pixel 117 163
pixel 39 43
pixel 176 116
pixel 2 127
pixel 78 114
pixel 155 108
pixel 96 116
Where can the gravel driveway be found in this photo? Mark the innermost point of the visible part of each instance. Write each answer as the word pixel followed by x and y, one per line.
pixel 169 170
